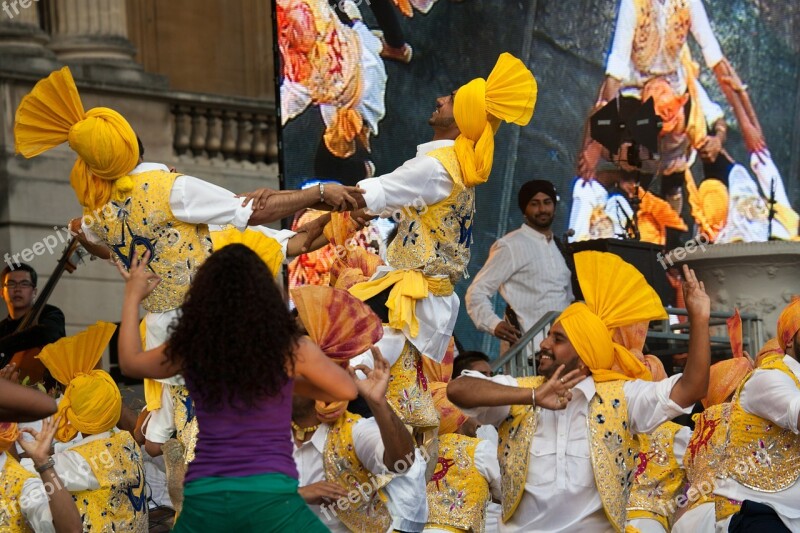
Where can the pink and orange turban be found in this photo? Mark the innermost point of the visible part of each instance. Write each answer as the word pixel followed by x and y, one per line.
pixel 616 295
pixel 8 435
pixel 508 94
pixel 789 324
pixel 52 113
pixel 450 417
pixel 770 348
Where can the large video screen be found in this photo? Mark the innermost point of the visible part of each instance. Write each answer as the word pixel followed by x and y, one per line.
pixel 718 80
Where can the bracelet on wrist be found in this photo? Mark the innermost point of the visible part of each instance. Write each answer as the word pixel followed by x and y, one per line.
pixel 533 397
pixel 50 463
pixel 321 192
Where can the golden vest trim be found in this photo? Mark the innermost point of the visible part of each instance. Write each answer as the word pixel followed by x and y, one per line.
pixel 457 493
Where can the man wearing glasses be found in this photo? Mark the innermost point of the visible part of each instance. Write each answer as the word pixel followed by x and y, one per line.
pixel 19 292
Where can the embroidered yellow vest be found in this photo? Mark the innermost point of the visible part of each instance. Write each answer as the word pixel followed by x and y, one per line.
pixel 408 394
pixel 648 40
pixel 185 421
pixel 704 459
pixel 761 455
pixel 144 221
pixel 436 239
pixel 457 493
pixel 12 478
pixel 613 449
pixel 658 477
pixel 342 466
pixel 120 504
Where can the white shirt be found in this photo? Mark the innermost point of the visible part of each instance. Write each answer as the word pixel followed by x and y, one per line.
pixel 586 196
pixel 772 395
pixel 620 64
pixel 560 492
pixel 529 272
pixel 416 184
pixel 409 511
pixel 34 502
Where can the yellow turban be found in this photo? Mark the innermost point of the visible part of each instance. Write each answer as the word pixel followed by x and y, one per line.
pixel 616 295
pixel 770 348
pixel 8 435
pixel 508 94
pixel 92 402
pixel 450 417
pixel 724 377
pixel 52 113
pixel 789 323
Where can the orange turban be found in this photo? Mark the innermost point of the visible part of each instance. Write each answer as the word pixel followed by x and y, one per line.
pixel 789 324
pixel 52 113
pixel 8 435
pixel 330 412
pixel 508 94
pixel 450 417
pixel 723 379
pixel 770 348
pixel 632 337
pixel 92 402
pixel 616 295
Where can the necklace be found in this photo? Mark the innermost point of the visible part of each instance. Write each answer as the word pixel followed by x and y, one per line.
pixel 300 433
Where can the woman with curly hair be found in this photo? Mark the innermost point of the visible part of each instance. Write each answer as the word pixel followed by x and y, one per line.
pixel 242 356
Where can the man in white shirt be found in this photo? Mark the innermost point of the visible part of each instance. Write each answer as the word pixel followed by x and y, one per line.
pixel 526 267
pixel 343 461
pixel 762 466
pixel 567 464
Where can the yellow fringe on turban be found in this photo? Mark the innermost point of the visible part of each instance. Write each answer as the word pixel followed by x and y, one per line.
pixel 450 417
pixel 9 431
pixel 52 113
pixel 92 402
pixel 616 295
pixel 508 94
pixel 789 323
pixel 267 248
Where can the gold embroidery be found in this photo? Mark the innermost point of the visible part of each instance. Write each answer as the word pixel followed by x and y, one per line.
pixel 342 466
pixel 185 420
pixel 408 393
pixel 457 493
pixel 649 39
pixel 12 479
pixel 144 220
pixel 120 504
pixel 436 239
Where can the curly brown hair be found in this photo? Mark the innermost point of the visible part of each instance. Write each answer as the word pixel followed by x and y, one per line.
pixel 235 338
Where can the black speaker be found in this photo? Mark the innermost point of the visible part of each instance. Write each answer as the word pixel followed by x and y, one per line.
pixel 642 255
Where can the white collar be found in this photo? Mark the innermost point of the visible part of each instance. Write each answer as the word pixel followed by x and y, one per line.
pixel 317 439
pixel 793 365
pixel 147 167
pixel 424 148
pixel 536 234
pixel 586 387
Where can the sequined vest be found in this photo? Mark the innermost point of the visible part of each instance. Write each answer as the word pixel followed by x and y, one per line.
pixel 144 221
pixel 704 457
pixel 457 493
pixel 12 478
pixel 762 455
pixel 658 477
pixel 436 239
pixel 185 420
pixel 613 449
pixel 343 467
pixel 120 504
pixel 648 40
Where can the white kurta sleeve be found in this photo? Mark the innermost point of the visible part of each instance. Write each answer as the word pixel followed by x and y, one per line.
pixel 199 202
pixel 649 404
pixel 35 505
pixel 681 442
pixel 489 415
pixel 497 269
pixel 161 422
pixel 369 445
pixel 75 472
pixel 487 464
pixel 704 35
pixel 711 110
pixel 406 497
pixel 619 59
pixel 772 395
pixel 416 184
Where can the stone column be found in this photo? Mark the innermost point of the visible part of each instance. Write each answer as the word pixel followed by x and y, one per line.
pixel 22 40
pixel 91 36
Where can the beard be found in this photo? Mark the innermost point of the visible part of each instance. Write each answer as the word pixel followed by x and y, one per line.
pixel 542 222
pixel 441 122
pixel 552 365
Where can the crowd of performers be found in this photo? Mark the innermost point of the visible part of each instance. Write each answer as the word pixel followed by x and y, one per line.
pixel 355 414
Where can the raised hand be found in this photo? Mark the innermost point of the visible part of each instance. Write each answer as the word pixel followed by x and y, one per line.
pixel 10 372
pixel 698 304
pixel 39 449
pixel 556 393
pixel 341 197
pixel 373 388
pixel 139 281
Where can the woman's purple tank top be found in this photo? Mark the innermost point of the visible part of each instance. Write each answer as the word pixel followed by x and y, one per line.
pixel 237 442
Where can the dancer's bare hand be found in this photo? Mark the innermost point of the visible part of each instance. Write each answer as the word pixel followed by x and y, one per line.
pixel 556 393
pixel 373 388
pixel 139 281
pixel 321 492
pixel 259 198
pixel 341 197
pixel 39 449
pixel 10 372
pixel 698 304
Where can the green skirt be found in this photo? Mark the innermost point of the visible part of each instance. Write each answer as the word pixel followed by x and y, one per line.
pixel 267 502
